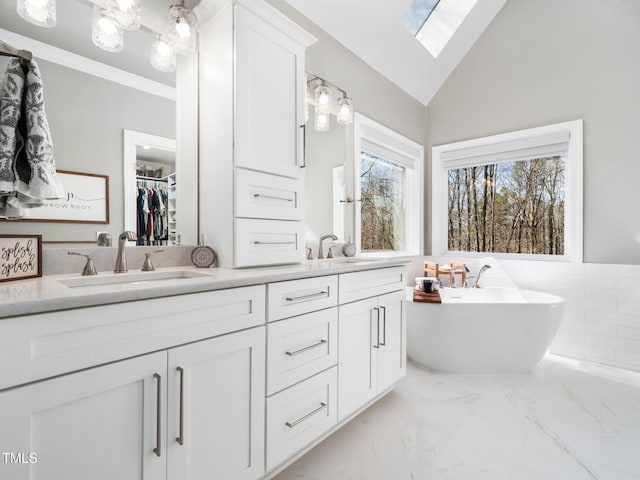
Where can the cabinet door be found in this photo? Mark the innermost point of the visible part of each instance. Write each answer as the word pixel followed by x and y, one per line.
pixel 269 76
pixel 392 363
pixel 105 423
pixel 216 408
pixel 357 357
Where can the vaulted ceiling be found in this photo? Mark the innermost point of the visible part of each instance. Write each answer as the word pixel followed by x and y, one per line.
pixel 374 31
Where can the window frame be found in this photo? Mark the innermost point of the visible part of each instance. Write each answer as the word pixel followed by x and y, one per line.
pixel 404 151
pixel 573 209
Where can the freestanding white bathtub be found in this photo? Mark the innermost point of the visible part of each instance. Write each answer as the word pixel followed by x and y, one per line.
pixel 483 330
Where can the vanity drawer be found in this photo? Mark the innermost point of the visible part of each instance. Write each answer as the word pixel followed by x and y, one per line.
pixel 300 347
pixel 42 345
pixel 295 297
pixel 261 195
pixel 268 242
pixel 299 415
pixel 370 283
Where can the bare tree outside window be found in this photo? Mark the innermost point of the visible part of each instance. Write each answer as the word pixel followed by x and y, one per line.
pixel 511 207
pixel 383 194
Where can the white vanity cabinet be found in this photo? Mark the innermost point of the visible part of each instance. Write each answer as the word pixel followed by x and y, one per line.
pixel 167 388
pixel 216 408
pixel 251 109
pixel 114 421
pixel 372 337
pixel 302 353
pixel 103 423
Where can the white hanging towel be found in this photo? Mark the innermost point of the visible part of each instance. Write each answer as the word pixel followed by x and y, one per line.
pixel 27 166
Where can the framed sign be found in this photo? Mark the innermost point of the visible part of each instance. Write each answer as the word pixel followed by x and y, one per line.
pixel 86 201
pixel 20 257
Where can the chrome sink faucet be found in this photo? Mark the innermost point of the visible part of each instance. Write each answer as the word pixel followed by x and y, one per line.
pixel 322 239
pixel 121 259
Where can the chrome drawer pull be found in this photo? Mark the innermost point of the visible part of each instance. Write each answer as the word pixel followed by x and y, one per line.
pixel 308 415
pixel 305 297
pixel 296 352
pixel 377 345
pixel 180 439
pixel 158 415
pixel 258 242
pixel 273 198
pixel 384 326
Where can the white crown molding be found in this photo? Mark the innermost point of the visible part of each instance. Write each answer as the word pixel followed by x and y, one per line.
pixel 86 65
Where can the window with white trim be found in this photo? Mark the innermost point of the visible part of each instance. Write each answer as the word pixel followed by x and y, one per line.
pixel 388 186
pixel 512 195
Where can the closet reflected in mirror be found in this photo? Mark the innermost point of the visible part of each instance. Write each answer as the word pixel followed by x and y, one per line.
pixel 150 207
pixel 91 97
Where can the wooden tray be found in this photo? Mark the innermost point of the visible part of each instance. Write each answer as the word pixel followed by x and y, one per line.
pixel 419 296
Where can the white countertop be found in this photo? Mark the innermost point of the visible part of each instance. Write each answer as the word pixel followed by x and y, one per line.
pixel 48 293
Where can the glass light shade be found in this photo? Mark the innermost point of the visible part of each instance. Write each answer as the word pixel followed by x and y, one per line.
pixel 125 13
pixel 38 12
pixel 321 121
pixel 323 99
pixel 345 110
pixel 163 55
pixel 182 29
pixel 104 31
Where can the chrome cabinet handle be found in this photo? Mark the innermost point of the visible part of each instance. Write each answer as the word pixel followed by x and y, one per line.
pixel 258 242
pixel 377 345
pixel 180 439
pixel 384 326
pixel 158 415
pixel 308 415
pixel 304 146
pixel 258 195
pixel 311 295
pixel 296 352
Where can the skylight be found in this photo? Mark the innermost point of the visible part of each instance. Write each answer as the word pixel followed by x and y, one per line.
pixel 433 22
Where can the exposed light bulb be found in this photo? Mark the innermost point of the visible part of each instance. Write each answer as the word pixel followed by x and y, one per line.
pixel 323 98
pixel 125 13
pixel 163 55
pixel 182 28
pixel 345 110
pixel 107 26
pixel 38 12
pixel 322 121
pixel 105 33
pixel 125 4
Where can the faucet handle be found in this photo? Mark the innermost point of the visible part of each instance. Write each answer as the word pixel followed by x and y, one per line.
pixel 147 266
pixel 89 267
pixel 309 253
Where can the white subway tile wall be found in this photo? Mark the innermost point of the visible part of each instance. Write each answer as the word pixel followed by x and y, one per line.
pixel 602 315
pixel 602 318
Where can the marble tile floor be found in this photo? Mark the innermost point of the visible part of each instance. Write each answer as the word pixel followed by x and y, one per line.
pixel 567 420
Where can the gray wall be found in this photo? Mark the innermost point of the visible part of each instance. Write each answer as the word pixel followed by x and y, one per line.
pixel 548 61
pixel 373 95
pixel 87 116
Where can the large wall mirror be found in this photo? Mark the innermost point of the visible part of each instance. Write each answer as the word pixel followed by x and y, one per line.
pixel 325 158
pixel 92 98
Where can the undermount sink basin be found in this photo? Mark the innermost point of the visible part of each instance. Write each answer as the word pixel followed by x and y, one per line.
pixel 133 278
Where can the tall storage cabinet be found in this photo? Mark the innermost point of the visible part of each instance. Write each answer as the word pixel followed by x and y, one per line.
pixel 251 103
